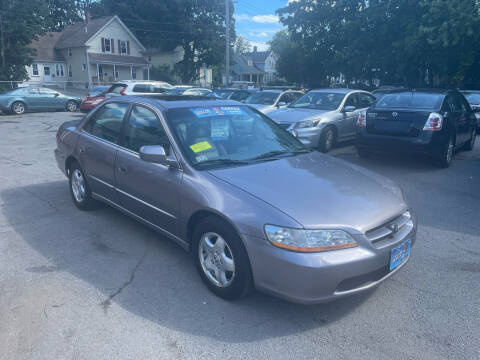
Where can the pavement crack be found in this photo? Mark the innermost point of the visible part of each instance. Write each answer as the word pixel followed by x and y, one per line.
pixel 106 303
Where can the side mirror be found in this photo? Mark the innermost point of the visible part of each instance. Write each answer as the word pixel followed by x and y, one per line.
pixel 156 154
pixel 349 108
pixel 56 95
pixel 281 103
pixel 476 109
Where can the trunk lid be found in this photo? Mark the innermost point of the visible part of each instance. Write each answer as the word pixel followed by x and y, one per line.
pixel 400 122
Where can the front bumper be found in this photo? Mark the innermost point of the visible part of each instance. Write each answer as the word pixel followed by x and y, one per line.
pixel 320 277
pixel 309 137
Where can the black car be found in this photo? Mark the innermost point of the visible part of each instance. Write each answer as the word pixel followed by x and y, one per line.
pixel 433 122
pixel 473 98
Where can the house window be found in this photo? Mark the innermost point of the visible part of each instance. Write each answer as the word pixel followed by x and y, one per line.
pixel 134 73
pixel 34 69
pixel 123 47
pixel 69 52
pixel 107 45
pixel 84 67
pixel 69 70
pixel 59 70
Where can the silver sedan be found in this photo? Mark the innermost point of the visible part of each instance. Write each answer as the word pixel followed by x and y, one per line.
pixel 323 117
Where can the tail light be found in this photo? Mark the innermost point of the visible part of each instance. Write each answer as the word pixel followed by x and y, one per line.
pixel 434 122
pixel 362 119
pixel 123 91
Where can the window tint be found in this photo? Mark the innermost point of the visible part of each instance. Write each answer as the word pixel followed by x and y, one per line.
pixel 365 100
pixel 412 100
pixel 44 91
pixel 107 122
pixel 461 102
pixel 352 101
pixel 143 88
pixel 144 128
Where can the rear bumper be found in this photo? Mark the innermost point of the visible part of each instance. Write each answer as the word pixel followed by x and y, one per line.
pixel 428 142
pixel 320 277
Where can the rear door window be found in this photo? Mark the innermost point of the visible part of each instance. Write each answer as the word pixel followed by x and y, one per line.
pixel 106 123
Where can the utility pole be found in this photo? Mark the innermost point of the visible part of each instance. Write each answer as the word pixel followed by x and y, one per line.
pixel 227 41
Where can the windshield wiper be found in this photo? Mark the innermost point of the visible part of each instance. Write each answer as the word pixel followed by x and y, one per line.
pixel 223 162
pixel 271 154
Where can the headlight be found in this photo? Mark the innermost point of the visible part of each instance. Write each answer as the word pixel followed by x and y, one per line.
pixel 307 123
pixel 309 240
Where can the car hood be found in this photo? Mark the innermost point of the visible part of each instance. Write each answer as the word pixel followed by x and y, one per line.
pixel 260 107
pixel 320 191
pixel 291 115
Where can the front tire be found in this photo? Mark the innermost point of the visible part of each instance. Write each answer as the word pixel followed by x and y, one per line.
pixel 79 189
pixel 327 139
pixel 18 108
pixel 221 259
pixel 71 106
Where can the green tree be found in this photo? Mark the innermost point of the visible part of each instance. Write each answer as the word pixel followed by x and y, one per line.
pixel 62 13
pixel 197 25
pixel 20 22
pixel 242 45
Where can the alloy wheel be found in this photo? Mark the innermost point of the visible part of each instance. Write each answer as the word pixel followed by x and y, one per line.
pixel 216 259
pixel 18 108
pixel 72 106
pixel 78 185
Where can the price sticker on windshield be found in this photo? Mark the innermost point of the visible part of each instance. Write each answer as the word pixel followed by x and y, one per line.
pixel 201 146
pixel 220 129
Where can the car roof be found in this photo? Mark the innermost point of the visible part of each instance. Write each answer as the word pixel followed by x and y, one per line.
pixel 336 90
pixel 177 101
pixel 422 91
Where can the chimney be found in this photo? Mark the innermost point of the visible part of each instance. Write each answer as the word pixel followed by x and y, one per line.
pixel 87 20
pixel 255 48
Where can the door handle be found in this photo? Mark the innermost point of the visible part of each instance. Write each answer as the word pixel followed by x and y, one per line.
pixel 122 168
pixel 81 150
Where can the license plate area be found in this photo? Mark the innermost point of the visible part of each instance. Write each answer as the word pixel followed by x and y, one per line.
pixel 399 254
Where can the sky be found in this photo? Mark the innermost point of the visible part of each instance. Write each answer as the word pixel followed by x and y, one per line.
pixel 256 20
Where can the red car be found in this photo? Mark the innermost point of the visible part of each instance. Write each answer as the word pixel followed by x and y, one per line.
pixel 95 96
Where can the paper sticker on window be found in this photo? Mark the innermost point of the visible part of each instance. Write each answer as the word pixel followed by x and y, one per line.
pixel 202 112
pixel 201 146
pixel 201 158
pixel 231 110
pixel 217 111
pixel 219 129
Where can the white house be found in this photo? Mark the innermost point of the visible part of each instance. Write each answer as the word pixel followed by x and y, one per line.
pixel 258 67
pixel 101 51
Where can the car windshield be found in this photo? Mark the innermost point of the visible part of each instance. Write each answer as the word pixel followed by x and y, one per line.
pixel 412 100
pixel 319 101
pixel 263 98
pixel 473 98
pixel 229 135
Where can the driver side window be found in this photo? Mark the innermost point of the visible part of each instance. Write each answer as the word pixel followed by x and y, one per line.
pixel 352 101
pixel 106 123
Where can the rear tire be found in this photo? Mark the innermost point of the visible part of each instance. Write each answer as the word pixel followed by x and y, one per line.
pixel 327 140
pixel 217 249
pixel 445 158
pixel 471 143
pixel 79 189
pixel 18 108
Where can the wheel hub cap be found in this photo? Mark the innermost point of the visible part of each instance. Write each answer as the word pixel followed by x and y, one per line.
pixel 78 185
pixel 216 259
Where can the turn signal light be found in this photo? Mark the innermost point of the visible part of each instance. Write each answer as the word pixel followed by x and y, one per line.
pixel 434 122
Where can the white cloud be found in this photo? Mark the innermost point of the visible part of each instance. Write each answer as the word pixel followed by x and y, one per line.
pixel 262 34
pixel 261 19
pixel 261 46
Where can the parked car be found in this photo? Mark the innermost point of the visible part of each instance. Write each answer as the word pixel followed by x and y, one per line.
pixel 269 100
pixel 253 205
pixel 324 117
pixel 473 98
pixel 433 122
pixel 125 88
pixel 20 100
pixel 97 90
pixel 197 92
pixel 387 88
pixel 179 89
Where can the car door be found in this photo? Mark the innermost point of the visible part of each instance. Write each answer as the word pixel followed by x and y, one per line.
pixel 465 121
pixel 151 191
pixel 456 117
pixel 348 119
pixel 98 146
pixel 50 99
pixel 32 98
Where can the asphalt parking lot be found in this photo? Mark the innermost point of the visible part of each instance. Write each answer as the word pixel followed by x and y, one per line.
pixel 98 285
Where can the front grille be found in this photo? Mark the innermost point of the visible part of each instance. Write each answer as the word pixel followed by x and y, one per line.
pixel 392 231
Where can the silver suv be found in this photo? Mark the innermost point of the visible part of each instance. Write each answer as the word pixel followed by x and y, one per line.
pixel 138 88
pixel 322 117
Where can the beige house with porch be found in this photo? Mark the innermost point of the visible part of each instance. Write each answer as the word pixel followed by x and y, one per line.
pixel 84 54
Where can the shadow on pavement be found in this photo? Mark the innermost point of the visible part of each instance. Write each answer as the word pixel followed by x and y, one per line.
pixel 145 274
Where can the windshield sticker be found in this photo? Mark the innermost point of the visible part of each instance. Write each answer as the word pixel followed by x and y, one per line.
pixel 201 146
pixel 201 158
pixel 220 129
pixel 217 111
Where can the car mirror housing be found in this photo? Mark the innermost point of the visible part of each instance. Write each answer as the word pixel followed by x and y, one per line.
pixel 156 154
pixel 349 108
pixel 281 103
